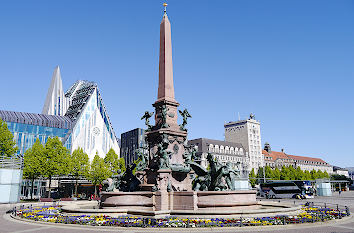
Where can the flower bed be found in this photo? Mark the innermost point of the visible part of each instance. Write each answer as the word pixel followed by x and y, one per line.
pixel 53 214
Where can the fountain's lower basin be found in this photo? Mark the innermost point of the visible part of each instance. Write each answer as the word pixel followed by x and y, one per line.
pixel 197 204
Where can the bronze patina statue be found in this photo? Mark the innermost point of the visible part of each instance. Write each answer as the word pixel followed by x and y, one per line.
pixel 218 178
pixel 164 156
pixel 143 157
pixel 147 116
pixel 163 113
pixel 185 114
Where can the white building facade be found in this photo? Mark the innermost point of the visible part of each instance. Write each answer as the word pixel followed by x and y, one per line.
pixel 82 104
pixel 55 102
pixel 224 152
pixel 248 133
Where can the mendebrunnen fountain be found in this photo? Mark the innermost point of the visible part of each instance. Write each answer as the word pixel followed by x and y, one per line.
pixel 167 180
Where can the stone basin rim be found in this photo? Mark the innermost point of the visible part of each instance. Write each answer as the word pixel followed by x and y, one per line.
pixel 282 209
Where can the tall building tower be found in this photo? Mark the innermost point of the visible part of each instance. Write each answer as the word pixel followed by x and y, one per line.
pixel 55 103
pixel 130 142
pixel 248 133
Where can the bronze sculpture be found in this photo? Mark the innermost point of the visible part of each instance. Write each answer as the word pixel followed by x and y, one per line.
pixel 218 178
pixel 164 156
pixel 185 114
pixel 147 116
pixel 143 157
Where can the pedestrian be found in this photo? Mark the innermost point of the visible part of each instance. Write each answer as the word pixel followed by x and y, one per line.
pixel 340 191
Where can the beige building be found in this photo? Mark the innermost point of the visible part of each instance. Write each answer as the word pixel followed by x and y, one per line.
pixel 248 133
pixel 224 151
pixel 278 159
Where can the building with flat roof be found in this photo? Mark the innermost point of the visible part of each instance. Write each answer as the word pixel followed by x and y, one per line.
pixel 222 150
pixel 248 133
pixel 26 127
pixel 77 117
pixel 130 142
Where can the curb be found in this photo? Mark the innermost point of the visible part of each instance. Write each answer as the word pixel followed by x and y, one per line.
pixel 224 229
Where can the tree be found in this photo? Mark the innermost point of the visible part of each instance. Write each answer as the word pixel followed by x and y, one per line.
pixel 99 171
pixel 32 164
pixel 307 175
pixel 114 163
pixel 252 177
pixel 292 173
pixel 325 174
pixel 56 160
pixel 276 174
pixel 260 174
pixel 268 172
pixel 299 174
pixel 79 165
pixel 284 173
pixel 8 147
pixel 313 174
pixel 320 174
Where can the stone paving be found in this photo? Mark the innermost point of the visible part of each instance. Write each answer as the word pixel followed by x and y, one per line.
pixel 7 224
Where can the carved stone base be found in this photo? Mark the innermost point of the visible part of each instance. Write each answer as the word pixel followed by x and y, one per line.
pixel 198 201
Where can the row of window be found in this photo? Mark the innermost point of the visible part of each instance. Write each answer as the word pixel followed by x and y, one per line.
pixel 298 161
pixel 225 150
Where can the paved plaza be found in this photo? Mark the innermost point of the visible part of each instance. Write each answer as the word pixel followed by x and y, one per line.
pixel 11 225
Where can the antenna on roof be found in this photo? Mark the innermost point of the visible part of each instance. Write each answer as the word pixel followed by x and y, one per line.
pixel 239 116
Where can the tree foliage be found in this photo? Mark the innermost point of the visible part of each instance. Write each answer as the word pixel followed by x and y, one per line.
pixel 56 160
pixel 99 171
pixel 252 177
pixel 286 173
pixel 32 164
pixel 114 163
pixel 79 165
pixel 8 147
pixel 276 174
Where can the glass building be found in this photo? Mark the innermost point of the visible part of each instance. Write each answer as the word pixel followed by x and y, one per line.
pixel 26 127
pixel 130 141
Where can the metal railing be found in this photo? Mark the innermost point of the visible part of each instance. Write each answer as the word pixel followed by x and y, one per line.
pixel 11 162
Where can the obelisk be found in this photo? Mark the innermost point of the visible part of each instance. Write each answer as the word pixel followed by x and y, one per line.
pixel 166 138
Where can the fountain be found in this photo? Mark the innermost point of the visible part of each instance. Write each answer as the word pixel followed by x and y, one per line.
pixel 167 180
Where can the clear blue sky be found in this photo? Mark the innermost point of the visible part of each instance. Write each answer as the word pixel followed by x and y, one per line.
pixel 289 62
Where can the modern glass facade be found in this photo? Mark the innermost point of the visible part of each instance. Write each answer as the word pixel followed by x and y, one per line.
pixel 26 127
pixel 130 141
pixel 25 135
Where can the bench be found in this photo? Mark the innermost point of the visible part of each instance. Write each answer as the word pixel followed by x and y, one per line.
pixel 66 199
pixel 46 199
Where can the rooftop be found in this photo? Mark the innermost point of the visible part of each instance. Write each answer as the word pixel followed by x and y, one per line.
pixel 62 122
